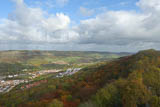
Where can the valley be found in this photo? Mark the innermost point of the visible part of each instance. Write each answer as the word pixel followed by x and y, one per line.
pixel 79 53
pixel 9 82
pixel 20 67
pixel 130 80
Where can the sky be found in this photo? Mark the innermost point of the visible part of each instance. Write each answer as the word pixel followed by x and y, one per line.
pixel 80 25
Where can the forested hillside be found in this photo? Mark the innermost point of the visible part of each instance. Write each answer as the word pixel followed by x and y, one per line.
pixel 132 81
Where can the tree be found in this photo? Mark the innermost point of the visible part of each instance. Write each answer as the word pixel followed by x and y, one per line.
pixel 56 103
pixel 87 104
pixel 135 92
pixel 155 101
pixel 107 97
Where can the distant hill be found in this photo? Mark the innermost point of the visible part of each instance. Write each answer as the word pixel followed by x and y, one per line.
pixel 129 81
pixel 16 61
pixel 24 56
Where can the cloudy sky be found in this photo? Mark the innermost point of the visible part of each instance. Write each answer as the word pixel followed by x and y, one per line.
pixel 85 25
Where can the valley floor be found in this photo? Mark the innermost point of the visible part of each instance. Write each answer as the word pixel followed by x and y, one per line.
pixel 7 85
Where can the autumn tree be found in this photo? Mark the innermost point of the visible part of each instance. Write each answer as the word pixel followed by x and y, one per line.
pixel 56 103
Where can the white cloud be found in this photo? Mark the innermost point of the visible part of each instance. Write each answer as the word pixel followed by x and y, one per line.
pixel 62 2
pixel 113 25
pixel 33 25
pixel 111 30
pixel 18 2
pixel 149 5
pixel 50 4
pixel 86 12
pixel 124 28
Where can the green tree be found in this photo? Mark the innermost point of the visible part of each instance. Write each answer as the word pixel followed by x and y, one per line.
pixel 56 103
pixel 107 97
pixel 155 101
pixel 135 92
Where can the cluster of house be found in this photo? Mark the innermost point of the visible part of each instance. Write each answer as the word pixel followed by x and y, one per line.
pixel 32 75
pixel 43 72
pixel 11 76
pixel 68 72
pixel 6 86
pixel 33 84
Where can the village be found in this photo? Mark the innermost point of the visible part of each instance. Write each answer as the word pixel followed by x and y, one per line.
pixel 68 72
pixel 10 83
pixel 7 85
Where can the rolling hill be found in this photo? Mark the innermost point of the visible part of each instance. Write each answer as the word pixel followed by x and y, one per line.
pixel 130 81
pixel 16 61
